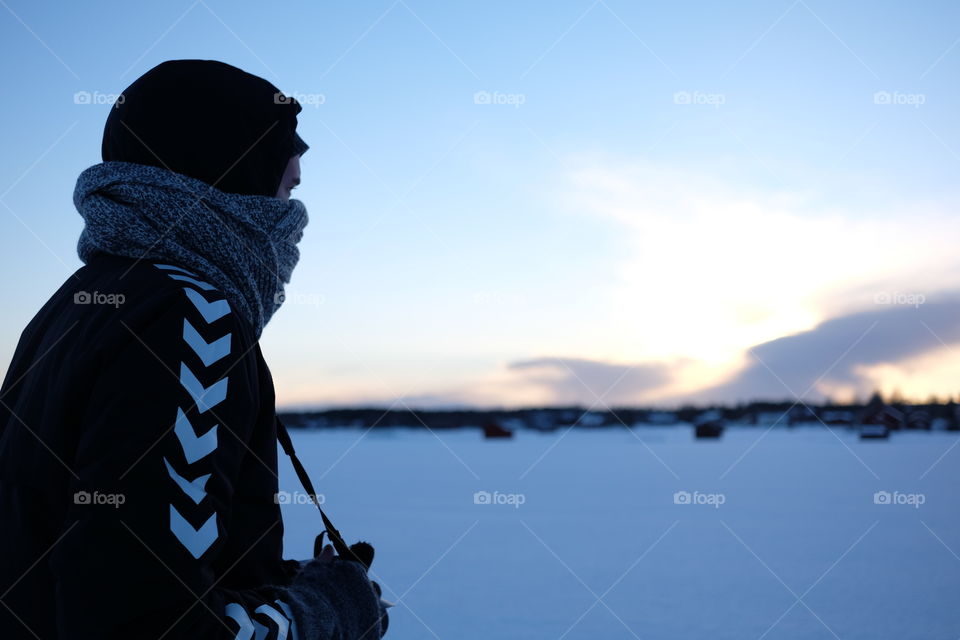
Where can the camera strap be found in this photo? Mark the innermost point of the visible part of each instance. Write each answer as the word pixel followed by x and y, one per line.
pixel 336 539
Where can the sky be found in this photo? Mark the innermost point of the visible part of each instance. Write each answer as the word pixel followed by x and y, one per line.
pixel 596 202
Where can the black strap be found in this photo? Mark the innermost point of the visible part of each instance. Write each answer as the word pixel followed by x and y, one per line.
pixel 341 547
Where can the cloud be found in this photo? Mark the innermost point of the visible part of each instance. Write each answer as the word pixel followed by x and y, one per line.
pixel 587 382
pixel 712 267
pixel 838 355
pixel 548 381
pixel 702 277
pixel 903 337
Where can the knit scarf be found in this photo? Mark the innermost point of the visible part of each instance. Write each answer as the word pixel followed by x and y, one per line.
pixel 244 245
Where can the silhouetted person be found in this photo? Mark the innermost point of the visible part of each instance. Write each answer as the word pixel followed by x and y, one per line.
pixel 138 464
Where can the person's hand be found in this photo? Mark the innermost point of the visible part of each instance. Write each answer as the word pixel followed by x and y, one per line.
pixel 327 553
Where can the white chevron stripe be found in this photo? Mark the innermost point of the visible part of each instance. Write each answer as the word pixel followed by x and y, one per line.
pixel 210 311
pixel 237 612
pixel 194 446
pixel 262 631
pixel 289 614
pixel 170 267
pixel 208 352
pixel 195 488
pixel 283 625
pixel 205 397
pixel 196 541
pixel 193 281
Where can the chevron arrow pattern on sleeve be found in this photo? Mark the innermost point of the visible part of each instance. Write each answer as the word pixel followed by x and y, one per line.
pixel 195 488
pixel 248 628
pixel 196 541
pixel 210 311
pixel 194 446
pixel 239 614
pixel 283 625
pixel 198 447
pixel 208 352
pixel 205 397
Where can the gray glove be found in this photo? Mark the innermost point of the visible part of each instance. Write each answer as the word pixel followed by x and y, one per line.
pixel 333 599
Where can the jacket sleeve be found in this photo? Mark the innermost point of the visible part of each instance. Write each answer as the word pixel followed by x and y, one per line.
pixel 145 550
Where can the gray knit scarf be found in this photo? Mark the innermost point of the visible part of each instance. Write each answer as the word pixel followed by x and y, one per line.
pixel 243 245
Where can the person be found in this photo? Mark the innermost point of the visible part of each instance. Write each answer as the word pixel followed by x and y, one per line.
pixel 138 432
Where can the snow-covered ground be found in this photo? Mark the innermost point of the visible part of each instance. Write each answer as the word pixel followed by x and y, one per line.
pixel 787 540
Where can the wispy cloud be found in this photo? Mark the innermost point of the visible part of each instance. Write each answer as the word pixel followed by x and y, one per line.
pixel 714 273
pixel 584 381
pixel 841 355
pixel 715 266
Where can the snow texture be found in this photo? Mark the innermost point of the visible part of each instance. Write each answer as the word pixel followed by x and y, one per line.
pixel 782 538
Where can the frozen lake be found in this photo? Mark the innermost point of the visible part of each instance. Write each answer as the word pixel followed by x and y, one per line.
pixel 781 537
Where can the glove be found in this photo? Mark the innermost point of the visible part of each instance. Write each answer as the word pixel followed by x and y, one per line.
pixel 363 552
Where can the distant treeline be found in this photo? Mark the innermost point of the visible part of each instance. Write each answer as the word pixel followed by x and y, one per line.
pixel 930 415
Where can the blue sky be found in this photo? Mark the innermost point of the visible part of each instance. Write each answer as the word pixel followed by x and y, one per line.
pixel 551 202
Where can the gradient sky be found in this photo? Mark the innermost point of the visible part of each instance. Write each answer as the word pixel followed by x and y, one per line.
pixel 647 202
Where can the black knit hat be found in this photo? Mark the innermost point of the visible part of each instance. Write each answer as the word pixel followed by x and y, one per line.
pixel 208 120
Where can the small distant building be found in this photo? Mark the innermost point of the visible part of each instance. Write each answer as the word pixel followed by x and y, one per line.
pixel 918 418
pixel 953 422
pixel 493 430
pixel 878 419
pixel 878 412
pixel 708 425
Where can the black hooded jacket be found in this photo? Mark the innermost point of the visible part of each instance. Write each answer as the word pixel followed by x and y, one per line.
pixel 138 474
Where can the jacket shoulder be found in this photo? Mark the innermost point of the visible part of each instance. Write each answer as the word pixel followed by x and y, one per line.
pixel 112 301
pixel 141 290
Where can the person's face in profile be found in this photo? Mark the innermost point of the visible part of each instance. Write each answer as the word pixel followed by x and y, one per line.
pixel 291 178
